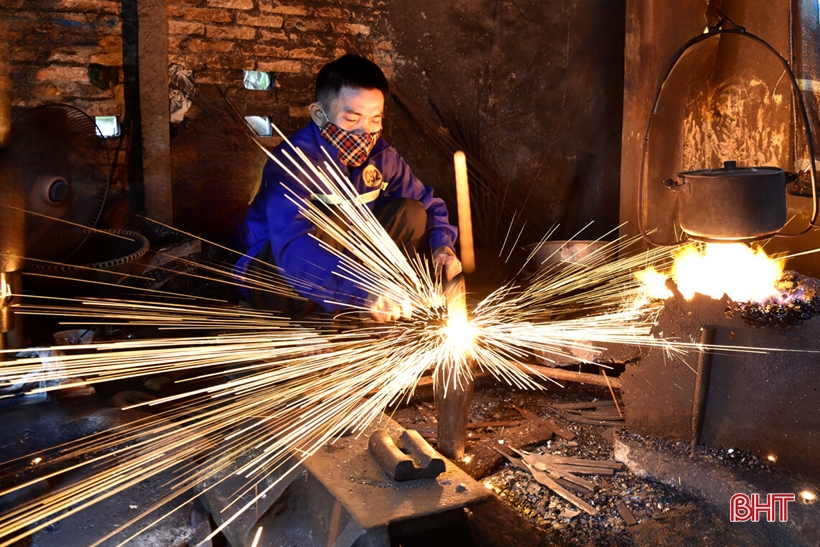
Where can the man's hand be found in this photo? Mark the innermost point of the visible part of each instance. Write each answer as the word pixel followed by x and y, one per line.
pixel 386 307
pixel 445 260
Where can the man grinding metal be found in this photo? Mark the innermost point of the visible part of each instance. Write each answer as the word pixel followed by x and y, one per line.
pixel 346 122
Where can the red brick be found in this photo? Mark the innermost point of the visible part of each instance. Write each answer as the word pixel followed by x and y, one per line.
pixel 202 45
pixel 300 111
pixel 174 11
pixel 26 55
pixel 237 33
pixel 276 7
pixel 352 28
pixel 306 53
pixel 207 14
pixel 307 25
pixel 270 51
pixel 331 13
pixel 185 28
pixel 174 43
pixel 89 6
pixel 113 58
pixel 84 91
pixel 230 61
pixel 231 4
pixel 38 92
pixel 110 42
pixel 109 107
pixel 231 77
pixel 271 21
pixel 77 56
pixel 273 36
pixel 279 66
pixel 194 62
pixel 58 73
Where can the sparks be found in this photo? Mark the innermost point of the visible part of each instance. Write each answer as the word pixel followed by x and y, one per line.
pixel 267 388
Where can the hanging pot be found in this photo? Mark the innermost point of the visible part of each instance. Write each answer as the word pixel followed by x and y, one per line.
pixel 733 203
pixel 730 204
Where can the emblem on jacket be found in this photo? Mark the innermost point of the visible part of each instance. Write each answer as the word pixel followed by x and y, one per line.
pixel 372 177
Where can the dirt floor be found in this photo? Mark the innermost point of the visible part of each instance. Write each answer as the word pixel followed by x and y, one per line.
pixel 632 511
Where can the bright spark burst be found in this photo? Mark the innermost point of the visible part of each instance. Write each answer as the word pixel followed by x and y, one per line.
pixel 268 388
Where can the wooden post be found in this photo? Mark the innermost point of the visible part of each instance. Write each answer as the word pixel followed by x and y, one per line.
pixel 155 117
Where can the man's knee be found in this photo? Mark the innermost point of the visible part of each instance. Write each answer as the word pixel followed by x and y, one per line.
pixel 405 220
pixel 414 214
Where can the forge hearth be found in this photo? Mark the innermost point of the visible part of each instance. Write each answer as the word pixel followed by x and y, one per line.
pixel 763 391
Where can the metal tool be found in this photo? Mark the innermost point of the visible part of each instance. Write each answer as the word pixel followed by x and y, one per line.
pixel 412 458
pixel 453 403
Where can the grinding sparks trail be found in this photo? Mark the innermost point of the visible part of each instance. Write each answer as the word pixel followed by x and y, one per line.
pixel 268 391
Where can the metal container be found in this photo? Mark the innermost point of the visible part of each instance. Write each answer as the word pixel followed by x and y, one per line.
pixel 731 204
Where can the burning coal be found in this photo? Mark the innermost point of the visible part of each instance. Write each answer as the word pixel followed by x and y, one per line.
pixel 763 292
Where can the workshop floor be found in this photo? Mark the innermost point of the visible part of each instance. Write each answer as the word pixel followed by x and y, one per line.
pixel 634 511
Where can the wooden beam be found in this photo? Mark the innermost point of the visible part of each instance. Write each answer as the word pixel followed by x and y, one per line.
pixel 155 118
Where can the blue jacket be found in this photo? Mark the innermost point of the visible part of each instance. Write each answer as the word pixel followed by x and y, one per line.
pixel 273 218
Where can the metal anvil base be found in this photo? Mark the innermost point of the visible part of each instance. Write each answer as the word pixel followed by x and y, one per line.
pixel 342 497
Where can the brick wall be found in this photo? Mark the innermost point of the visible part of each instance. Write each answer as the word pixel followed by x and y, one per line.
pixel 84 53
pixel 291 40
pixel 53 42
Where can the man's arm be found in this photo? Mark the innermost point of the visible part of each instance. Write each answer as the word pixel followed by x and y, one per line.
pixel 441 235
pixel 296 250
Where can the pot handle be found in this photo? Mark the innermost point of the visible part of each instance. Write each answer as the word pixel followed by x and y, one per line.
pixel 678 186
pixel 790 177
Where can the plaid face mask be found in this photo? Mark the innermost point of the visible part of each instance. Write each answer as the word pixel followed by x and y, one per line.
pixel 353 148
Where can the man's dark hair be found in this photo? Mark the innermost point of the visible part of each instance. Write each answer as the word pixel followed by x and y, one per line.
pixel 349 71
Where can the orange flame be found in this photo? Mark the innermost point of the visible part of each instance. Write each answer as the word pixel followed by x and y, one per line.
pixel 742 273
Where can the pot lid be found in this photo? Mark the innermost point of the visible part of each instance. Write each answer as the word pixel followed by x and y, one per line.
pixel 730 169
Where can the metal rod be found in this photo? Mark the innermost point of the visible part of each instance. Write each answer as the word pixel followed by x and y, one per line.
pixel 569 376
pixel 452 409
pixel 707 339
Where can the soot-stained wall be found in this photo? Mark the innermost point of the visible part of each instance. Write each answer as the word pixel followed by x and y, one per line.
pixel 531 89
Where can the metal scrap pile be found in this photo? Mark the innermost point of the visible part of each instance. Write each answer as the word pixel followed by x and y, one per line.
pixel 798 301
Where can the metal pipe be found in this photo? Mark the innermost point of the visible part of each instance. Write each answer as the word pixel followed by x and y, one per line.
pixel 707 339
pixel 5 83
pixel 12 220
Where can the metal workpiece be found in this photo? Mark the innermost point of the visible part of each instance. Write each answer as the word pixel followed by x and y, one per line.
pixel 707 339
pixel 454 392
pixel 410 458
pixel 342 496
pixel 452 410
